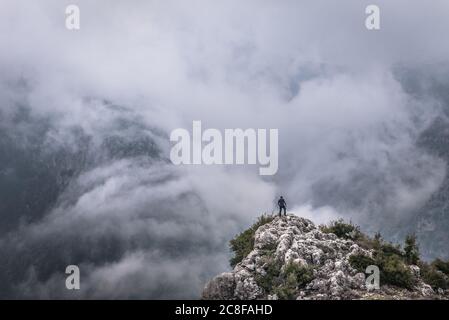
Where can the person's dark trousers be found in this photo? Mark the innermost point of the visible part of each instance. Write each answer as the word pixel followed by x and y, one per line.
pixel 280 211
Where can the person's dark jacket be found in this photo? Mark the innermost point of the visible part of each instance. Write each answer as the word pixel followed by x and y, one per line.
pixel 281 203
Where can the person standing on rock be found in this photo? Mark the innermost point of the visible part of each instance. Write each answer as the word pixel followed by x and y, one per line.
pixel 282 205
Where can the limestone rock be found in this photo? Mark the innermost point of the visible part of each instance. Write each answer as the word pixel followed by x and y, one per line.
pixel 294 240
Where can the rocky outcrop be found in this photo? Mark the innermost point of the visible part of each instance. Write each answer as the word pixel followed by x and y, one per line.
pixel 294 242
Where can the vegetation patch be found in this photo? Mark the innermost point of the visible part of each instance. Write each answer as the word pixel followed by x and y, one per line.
pixel 442 266
pixel 395 272
pixel 342 229
pixel 435 274
pixel 360 262
pixel 271 278
pixel 392 260
pixel 411 250
pixel 243 243
pixel 284 284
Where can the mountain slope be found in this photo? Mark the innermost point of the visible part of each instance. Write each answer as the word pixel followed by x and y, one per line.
pixel 293 259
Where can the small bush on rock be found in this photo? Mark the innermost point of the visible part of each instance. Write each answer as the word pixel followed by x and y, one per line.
pixel 433 275
pixel 441 266
pixel 360 262
pixel 389 258
pixel 243 243
pixel 293 278
pixel 389 249
pixel 394 271
pixel 271 277
pixel 342 229
pixel 284 284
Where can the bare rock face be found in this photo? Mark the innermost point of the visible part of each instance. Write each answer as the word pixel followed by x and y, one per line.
pixel 294 241
pixel 222 287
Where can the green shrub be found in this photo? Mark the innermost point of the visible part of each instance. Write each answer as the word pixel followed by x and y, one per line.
pixel 269 247
pixel 360 262
pixel 368 243
pixel 293 278
pixel 288 289
pixel 411 250
pixel 441 266
pixel 302 274
pixel 243 243
pixel 378 237
pixel 284 284
pixel 271 278
pixel 433 276
pixel 389 249
pixel 342 229
pixel 392 268
pixel 394 271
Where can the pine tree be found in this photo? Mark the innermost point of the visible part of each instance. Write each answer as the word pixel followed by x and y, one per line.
pixel 411 249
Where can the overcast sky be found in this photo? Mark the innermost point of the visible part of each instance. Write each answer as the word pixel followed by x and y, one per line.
pixel 138 226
